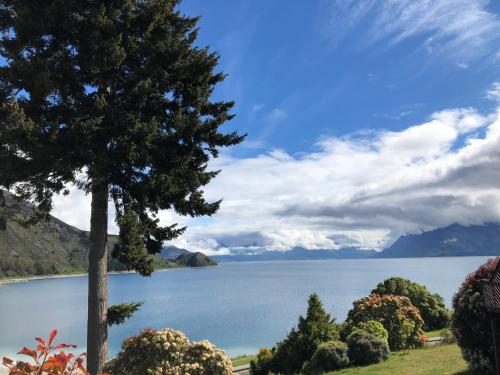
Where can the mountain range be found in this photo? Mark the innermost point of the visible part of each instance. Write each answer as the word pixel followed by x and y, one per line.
pixel 453 240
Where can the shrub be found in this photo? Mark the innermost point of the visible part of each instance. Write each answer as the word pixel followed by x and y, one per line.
pixel 447 336
pixel 366 349
pixel 301 343
pixel 46 362
pixel 262 365
pixel 431 306
pixel 168 352
pixel 396 313
pixel 329 356
pixel 374 328
pixel 471 323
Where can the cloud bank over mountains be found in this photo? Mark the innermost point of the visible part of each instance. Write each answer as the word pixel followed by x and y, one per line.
pixel 363 189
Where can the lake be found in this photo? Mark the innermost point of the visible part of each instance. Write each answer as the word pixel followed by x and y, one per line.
pixel 240 307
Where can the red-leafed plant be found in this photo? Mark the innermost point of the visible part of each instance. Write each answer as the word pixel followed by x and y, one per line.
pixel 47 361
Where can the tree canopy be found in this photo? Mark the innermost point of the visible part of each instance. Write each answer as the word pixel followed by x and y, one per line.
pixel 431 306
pixel 114 97
pixel 299 346
pixel 115 92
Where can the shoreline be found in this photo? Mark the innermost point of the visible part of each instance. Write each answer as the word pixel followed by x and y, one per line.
pixel 15 280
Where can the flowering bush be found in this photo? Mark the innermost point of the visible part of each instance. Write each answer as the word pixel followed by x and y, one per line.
pixel 45 362
pixel 471 323
pixel 396 313
pixel 431 306
pixel 168 352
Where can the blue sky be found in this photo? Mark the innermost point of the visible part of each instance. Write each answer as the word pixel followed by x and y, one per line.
pixel 300 70
pixel 366 120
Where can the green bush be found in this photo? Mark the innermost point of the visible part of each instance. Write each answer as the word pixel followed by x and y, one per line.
pixel 299 346
pixel 471 322
pixel 396 313
pixel 372 327
pixel 431 306
pixel 366 349
pixel 262 365
pixel 168 352
pixel 329 356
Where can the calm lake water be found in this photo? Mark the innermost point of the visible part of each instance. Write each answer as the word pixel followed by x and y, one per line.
pixel 237 306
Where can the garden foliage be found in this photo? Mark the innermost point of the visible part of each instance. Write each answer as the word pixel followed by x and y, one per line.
pixel 431 306
pixel 399 317
pixel 471 323
pixel 329 356
pixel 366 349
pixel 168 352
pixel 263 364
pixel 299 346
pixel 46 360
pixel 374 328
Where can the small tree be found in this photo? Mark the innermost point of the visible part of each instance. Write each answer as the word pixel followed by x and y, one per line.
pixel 396 313
pixel 431 306
pixel 115 98
pixel 263 364
pixel 314 329
pixel 471 322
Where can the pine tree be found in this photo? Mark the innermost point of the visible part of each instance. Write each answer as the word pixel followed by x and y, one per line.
pixel 115 98
pixel 312 330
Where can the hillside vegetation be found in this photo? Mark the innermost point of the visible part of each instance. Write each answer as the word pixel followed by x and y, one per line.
pixel 195 260
pixel 55 247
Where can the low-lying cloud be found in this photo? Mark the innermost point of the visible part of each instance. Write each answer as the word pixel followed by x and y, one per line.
pixel 363 189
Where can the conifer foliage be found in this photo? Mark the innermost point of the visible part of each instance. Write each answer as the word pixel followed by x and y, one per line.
pixel 317 327
pixel 115 98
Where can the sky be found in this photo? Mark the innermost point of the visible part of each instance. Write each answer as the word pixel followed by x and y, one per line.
pixel 366 120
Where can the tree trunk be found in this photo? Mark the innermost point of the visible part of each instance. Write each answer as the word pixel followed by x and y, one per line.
pixel 97 323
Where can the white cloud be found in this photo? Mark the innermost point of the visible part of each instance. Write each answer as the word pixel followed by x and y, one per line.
pixel 494 92
pixel 363 189
pixel 463 30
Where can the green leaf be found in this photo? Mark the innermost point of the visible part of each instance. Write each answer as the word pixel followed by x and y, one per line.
pixel 118 314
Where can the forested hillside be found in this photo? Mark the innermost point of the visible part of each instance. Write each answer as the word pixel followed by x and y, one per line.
pixel 46 248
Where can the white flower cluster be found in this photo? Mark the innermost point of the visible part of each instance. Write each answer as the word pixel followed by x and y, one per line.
pixel 169 352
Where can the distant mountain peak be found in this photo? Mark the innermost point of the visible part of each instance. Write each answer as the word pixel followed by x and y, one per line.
pixel 453 240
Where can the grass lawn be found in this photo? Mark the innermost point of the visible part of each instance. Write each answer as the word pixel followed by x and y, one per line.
pixel 242 360
pixel 431 360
